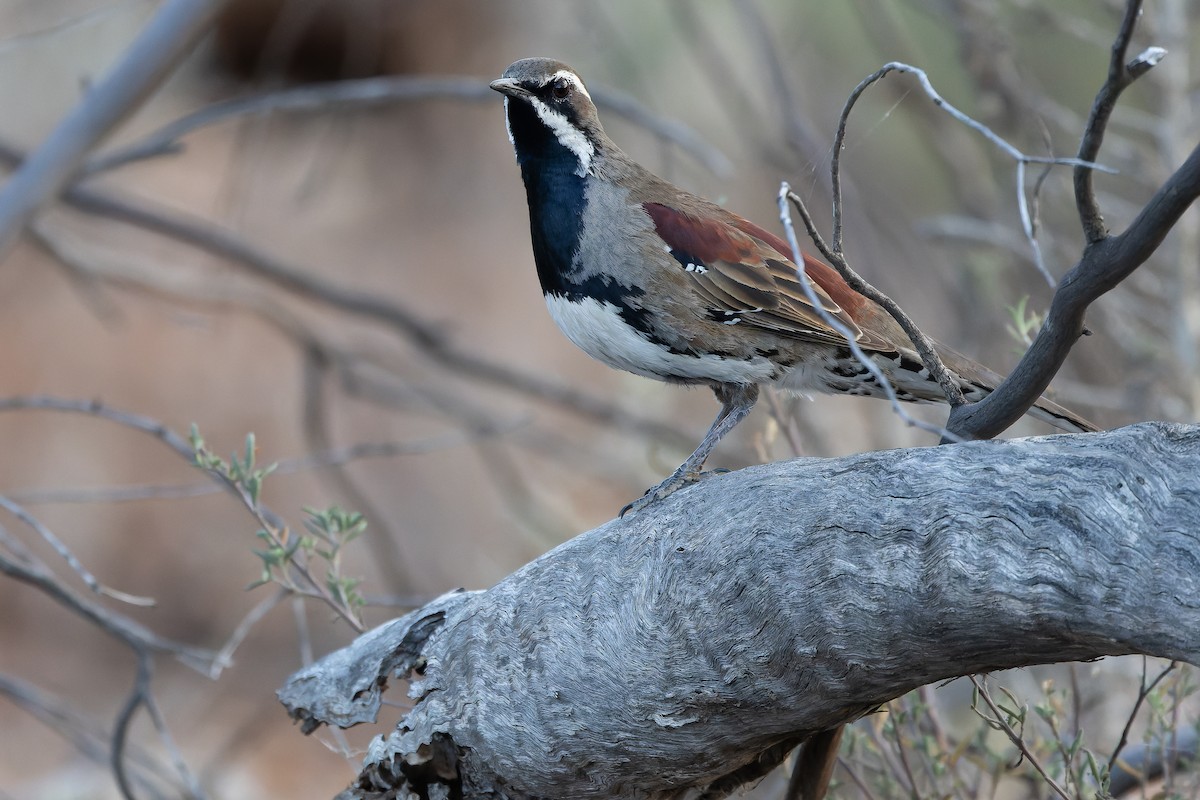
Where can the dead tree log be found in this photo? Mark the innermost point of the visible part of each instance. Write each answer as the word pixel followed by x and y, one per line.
pixel 692 645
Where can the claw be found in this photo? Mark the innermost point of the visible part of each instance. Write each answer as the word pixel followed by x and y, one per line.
pixel 668 488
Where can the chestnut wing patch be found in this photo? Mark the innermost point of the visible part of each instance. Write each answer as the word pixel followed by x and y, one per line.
pixel 746 280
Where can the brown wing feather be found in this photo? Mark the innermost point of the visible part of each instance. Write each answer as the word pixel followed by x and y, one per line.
pixel 742 271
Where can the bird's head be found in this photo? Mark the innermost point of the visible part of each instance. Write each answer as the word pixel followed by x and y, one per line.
pixel 550 114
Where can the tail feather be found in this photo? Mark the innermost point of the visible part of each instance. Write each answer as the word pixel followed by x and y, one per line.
pixel 983 381
pixel 1062 418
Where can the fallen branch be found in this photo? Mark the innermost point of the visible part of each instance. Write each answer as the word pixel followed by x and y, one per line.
pixel 703 639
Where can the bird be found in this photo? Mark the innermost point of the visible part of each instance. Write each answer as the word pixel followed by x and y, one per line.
pixel 654 280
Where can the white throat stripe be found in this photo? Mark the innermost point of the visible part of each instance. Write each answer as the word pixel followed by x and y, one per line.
pixel 508 124
pixel 567 134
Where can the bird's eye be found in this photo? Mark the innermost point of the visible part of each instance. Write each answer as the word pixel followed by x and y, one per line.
pixel 560 89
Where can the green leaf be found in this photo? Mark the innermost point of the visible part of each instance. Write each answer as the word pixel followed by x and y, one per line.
pixel 253 487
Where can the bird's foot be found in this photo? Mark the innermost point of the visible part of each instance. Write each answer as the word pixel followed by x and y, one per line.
pixel 677 481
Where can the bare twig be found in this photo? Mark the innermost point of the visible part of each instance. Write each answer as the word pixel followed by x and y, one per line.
pixel 786 423
pixel 428 338
pixel 1105 263
pixel 137 696
pixel 187 778
pixel 923 79
pixel 300 615
pixel 708 47
pixel 785 194
pixel 1120 76
pixel 894 711
pixel 796 132
pixel 252 618
pixel 848 768
pixel 65 553
pixel 271 523
pixel 1143 692
pixel 891 762
pixel 147 425
pixel 1031 213
pixel 921 343
pixel 321 459
pixel 89 736
pixel 998 721
pixel 132 633
pixel 371 92
pixel 375 375
pixel 834 251
pixel 145 63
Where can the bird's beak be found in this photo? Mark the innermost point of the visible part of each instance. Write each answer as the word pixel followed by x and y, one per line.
pixel 508 87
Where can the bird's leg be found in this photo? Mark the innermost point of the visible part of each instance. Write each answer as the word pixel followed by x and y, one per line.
pixel 736 402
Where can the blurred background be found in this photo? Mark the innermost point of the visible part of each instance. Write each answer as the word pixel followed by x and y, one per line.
pixel 398 314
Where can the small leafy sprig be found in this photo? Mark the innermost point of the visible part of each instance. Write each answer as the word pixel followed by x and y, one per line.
pixel 287 558
pixel 329 531
pixel 1024 322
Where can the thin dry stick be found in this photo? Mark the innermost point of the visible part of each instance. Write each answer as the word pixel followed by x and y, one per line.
pixel 88 736
pixel 175 28
pixel 834 251
pixel 27 568
pixel 137 696
pixel 372 92
pixel 253 617
pixel 65 553
pixel 922 343
pixel 147 425
pixel 859 782
pixel 944 743
pixel 1143 693
pixel 272 524
pixel 256 301
pixel 784 421
pixel 923 79
pixel 186 776
pixel 998 721
pixel 1068 760
pixel 1120 76
pixel 428 338
pixel 798 134
pixel 321 459
pixel 385 545
pixel 901 754
pixel 891 767
pixel 785 193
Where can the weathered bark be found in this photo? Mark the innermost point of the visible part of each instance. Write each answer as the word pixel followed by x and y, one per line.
pixel 672 648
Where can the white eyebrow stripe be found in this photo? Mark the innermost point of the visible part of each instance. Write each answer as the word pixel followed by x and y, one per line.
pixel 571 78
pixel 567 134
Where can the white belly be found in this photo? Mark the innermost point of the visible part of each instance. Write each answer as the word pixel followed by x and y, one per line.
pixel 596 327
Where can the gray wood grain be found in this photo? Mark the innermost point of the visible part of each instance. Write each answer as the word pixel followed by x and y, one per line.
pixel 665 651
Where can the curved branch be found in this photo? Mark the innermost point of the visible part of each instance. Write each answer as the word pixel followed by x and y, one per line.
pixel 1120 75
pixel 168 37
pixel 668 650
pixel 1105 263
